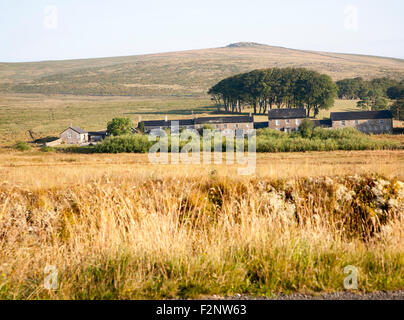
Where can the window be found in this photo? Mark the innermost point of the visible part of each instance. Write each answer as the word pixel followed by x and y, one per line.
pixel 236 125
pixel 381 121
pixel 217 126
pixel 247 125
pixel 239 133
pixel 343 122
pixel 356 122
pixel 277 122
pixel 297 121
pixel 225 126
pixel 69 135
pixel 287 121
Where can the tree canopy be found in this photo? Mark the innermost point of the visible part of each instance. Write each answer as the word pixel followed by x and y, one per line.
pixel 119 126
pixel 398 109
pixel 275 87
pixel 396 92
pixel 373 94
pixel 357 88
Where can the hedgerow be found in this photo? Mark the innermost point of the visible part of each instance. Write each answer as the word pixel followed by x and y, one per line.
pixel 267 140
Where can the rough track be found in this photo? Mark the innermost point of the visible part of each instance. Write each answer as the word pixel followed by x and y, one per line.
pixel 345 295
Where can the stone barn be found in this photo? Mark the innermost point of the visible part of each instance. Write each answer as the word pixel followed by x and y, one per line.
pixel 74 135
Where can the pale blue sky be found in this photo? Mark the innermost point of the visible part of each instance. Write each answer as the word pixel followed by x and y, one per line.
pixel 100 28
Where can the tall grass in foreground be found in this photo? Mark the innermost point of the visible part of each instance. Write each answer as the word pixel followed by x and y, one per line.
pixel 119 238
pixel 267 140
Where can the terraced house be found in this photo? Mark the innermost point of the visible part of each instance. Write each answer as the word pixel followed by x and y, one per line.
pixel 365 121
pixel 286 119
pixel 226 125
pixel 165 124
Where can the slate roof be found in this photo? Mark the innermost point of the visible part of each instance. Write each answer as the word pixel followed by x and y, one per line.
pixel 77 129
pixel 361 115
pixel 293 113
pixel 203 120
pixel 98 133
pixel 163 123
pixel 260 125
pixel 185 122
pixel 237 119
pixel 155 123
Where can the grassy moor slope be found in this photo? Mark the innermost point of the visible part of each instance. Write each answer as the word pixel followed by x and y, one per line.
pixel 185 73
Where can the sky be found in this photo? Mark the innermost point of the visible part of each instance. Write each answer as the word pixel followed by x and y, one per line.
pixel 37 30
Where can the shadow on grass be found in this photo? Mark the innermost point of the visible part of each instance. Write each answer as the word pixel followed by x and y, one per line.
pixel 45 140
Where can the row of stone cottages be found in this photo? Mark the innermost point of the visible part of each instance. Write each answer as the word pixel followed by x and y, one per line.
pixel 279 119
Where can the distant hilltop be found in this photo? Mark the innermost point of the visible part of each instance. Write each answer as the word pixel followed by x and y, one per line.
pixel 184 73
pixel 246 45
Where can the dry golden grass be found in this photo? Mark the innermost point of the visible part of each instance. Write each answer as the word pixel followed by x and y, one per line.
pixel 57 170
pixel 117 227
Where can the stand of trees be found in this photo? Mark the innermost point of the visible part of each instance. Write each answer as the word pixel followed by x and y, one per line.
pixel 396 93
pixel 265 89
pixel 357 88
pixel 373 94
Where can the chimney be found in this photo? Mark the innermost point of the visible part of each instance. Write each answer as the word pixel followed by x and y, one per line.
pixel 250 114
pixel 140 118
pixel 166 118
